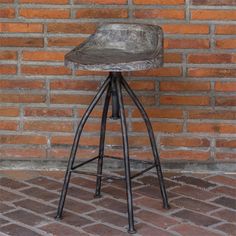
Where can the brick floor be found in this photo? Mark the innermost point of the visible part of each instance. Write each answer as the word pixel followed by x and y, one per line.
pixel 201 204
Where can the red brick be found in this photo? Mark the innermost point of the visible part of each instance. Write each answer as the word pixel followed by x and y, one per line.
pixel 44 1
pixel 8 125
pixel 159 2
pixel 44 13
pixel 226 43
pixel 74 85
pixel 226 101
pixel 53 126
pixel 23 139
pixel 22 153
pixel 185 142
pixel 225 86
pixel 187 229
pixel 185 29
pixel 64 41
pixel 43 56
pixel 172 58
pixel 142 85
pixel 211 72
pixel 21 28
pixel 160 113
pixel 70 99
pixel 9 111
pixel 8 69
pixel 214 2
pixel 186 43
pixel 22 98
pixel 212 58
pixel 185 155
pixel 7 13
pixel 226 143
pixel 211 127
pixel 45 70
pixel 185 86
pixel 57 112
pixel 22 84
pixel 166 72
pixel 158 127
pixel 8 55
pixel 102 2
pixel 213 15
pixel 156 219
pixel 159 14
pixel 71 28
pixel 184 100
pixel 21 42
pixel 225 29
pixel 101 13
pixel 208 114
pixel 225 156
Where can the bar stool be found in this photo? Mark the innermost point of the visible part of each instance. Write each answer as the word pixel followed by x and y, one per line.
pixel 116 47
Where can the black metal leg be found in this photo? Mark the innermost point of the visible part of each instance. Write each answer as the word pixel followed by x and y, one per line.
pixel 75 147
pixel 101 144
pixel 131 228
pixel 152 140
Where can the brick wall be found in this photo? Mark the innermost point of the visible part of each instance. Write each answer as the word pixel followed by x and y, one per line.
pixel 191 100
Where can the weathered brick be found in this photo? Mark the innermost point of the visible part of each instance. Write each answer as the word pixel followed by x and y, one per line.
pixel 159 14
pixel 101 13
pixel 23 139
pixel 226 101
pixel 22 98
pixel 214 2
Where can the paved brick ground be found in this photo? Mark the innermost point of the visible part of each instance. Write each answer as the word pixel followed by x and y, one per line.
pixel 201 205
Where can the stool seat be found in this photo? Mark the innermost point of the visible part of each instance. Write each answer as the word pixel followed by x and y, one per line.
pixel 119 47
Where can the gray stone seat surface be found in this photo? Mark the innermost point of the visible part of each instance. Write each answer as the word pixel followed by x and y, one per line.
pixel 119 47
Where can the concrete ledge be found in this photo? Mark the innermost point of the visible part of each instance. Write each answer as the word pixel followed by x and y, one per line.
pixel 116 164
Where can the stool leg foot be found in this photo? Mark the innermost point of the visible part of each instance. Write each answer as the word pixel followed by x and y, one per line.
pixel 152 141
pixel 131 228
pixel 101 145
pixel 75 147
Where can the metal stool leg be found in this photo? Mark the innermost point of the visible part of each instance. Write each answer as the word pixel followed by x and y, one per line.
pixel 75 147
pixel 152 140
pixel 102 140
pixel 131 228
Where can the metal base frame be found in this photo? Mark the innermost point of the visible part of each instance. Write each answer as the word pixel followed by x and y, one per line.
pixel 113 88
